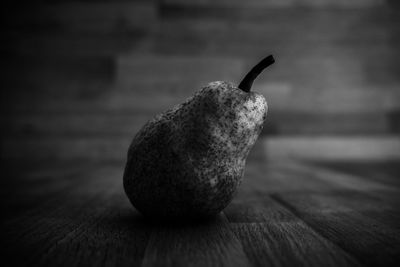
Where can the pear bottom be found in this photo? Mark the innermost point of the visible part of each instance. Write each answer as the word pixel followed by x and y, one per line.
pixel 158 195
pixel 161 183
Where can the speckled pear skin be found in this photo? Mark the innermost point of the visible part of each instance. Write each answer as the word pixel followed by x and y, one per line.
pixel 188 161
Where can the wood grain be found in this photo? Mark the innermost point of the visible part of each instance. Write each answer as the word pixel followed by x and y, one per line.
pixel 273 236
pixel 26 188
pixel 84 223
pixel 270 233
pixel 204 244
pixel 355 233
pixel 349 215
pixel 284 215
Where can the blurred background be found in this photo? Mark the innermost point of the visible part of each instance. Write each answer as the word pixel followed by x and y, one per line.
pixel 80 78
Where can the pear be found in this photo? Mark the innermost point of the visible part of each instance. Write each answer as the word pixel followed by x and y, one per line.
pixel 188 162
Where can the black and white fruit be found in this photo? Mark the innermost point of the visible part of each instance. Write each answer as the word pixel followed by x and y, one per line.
pixel 188 161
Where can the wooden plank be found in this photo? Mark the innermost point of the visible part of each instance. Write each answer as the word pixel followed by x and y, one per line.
pixel 346 99
pixel 74 124
pixel 372 199
pixel 203 244
pixel 288 244
pixel 66 63
pixel 369 198
pixel 268 176
pixel 50 45
pixel 180 73
pixel 62 148
pixel 279 3
pixel 333 148
pixel 84 188
pixel 394 121
pixel 271 235
pixel 77 16
pixel 276 28
pixel 385 172
pixel 64 73
pixel 94 98
pixel 285 245
pixel 117 236
pixel 350 182
pixel 355 233
pixel 93 224
pixel 307 123
pixel 259 13
pixel 26 189
pixel 346 212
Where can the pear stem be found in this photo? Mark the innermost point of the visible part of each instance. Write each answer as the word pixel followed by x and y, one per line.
pixel 248 80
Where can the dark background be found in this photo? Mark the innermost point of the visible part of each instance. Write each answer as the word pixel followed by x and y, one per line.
pixel 79 79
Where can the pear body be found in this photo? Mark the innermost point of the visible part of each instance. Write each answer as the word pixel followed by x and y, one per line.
pixel 188 161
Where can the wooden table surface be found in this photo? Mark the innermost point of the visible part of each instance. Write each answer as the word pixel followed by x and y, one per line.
pixel 286 213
